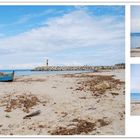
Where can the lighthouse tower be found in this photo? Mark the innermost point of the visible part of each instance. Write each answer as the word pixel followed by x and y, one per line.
pixel 47 62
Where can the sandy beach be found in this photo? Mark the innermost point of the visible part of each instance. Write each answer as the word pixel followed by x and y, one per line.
pixel 135 108
pixel 71 104
pixel 135 52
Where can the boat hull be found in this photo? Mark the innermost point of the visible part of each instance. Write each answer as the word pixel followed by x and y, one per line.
pixel 7 77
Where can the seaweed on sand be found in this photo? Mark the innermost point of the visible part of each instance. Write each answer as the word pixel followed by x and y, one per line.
pixel 99 84
pixel 24 101
pixel 81 127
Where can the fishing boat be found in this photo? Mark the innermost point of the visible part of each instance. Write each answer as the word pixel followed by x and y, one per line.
pixel 6 77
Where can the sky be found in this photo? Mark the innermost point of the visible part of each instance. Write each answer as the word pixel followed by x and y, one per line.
pixel 135 18
pixel 66 35
pixel 135 78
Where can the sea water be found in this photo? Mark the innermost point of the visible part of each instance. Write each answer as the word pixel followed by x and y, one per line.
pixel 29 72
pixel 135 96
pixel 135 40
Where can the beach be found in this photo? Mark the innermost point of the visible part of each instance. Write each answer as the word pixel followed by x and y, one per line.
pixel 64 104
pixel 135 52
pixel 135 108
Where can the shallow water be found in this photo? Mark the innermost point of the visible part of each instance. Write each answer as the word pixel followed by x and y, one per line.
pixel 29 72
pixel 135 96
pixel 135 41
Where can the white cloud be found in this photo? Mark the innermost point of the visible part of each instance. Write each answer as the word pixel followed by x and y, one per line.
pixel 135 22
pixel 24 66
pixel 73 30
pixel 23 20
pixel 135 18
pixel 135 87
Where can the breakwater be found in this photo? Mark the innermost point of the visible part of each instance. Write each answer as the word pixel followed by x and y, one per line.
pixel 78 68
pixel 63 68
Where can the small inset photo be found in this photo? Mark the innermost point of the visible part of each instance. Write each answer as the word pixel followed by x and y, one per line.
pixel 135 89
pixel 135 31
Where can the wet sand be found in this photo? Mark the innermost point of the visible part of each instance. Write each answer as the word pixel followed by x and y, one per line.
pixel 72 104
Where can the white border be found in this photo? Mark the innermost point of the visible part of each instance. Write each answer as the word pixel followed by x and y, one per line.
pixel 60 3
pixel 132 124
pixel 70 1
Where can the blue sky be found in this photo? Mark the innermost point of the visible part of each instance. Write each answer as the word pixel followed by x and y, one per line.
pixel 66 35
pixel 135 18
pixel 135 78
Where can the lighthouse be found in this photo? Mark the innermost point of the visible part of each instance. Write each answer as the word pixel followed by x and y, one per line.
pixel 47 62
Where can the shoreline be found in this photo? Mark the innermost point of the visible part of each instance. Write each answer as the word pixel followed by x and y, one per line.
pixel 135 108
pixel 135 102
pixel 135 52
pixel 70 104
pixel 135 105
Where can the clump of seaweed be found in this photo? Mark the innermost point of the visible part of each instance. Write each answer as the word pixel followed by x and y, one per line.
pixel 81 127
pixel 99 84
pixel 24 101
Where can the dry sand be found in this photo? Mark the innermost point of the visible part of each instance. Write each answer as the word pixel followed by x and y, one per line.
pixel 75 104
pixel 135 108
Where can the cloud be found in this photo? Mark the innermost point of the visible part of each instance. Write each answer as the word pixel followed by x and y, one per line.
pixel 135 19
pixel 135 78
pixel 24 65
pixel 23 20
pixel 135 86
pixel 75 30
pixel 135 25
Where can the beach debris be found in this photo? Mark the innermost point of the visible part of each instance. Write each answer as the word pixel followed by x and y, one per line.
pixel 23 101
pixel 41 126
pixel 81 127
pixel 102 122
pixel 7 116
pixel 80 88
pixel 92 108
pixel 64 114
pixel 32 114
pixel 115 93
pixel 82 98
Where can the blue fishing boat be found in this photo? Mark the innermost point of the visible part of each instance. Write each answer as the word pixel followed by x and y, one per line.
pixel 6 77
